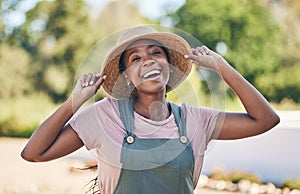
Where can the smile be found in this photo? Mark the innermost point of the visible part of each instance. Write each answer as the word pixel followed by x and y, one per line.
pixel 151 74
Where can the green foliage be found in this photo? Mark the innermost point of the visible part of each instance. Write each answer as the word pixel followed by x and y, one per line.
pixel 118 15
pixel 284 84
pixel 252 39
pixel 11 128
pixel 14 75
pixel 56 34
pixel 19 117
pixel 292 184
pixel 235 176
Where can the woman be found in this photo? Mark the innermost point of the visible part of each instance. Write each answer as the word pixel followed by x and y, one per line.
pixel 144 143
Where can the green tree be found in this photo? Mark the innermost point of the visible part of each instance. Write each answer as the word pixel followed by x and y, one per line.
pixel 118 15
pixel 56 34
pixel 284 84
pixel 14 72
pixel 244 26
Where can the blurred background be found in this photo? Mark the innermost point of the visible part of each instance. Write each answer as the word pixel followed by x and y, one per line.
pixel 43 44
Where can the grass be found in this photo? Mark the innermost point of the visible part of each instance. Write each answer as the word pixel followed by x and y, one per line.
pixel 292 184
pixel 234 176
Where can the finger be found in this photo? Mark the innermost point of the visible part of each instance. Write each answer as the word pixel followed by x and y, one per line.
pixel 100 81
pixel 198 59
pixel 203 50
pixel 194 58
pixel 83 80
pixel 196 52
pixel 206 50
pixel 88 79
pixel 94 78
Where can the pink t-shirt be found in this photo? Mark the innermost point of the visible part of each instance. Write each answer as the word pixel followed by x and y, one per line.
pixel 100 127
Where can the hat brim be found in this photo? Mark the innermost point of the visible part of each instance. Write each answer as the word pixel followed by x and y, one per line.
pixel 116 84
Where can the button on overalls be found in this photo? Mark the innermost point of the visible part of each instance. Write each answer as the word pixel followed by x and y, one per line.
pixel 155 165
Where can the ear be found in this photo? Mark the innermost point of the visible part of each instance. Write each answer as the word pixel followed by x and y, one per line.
pixel 126 76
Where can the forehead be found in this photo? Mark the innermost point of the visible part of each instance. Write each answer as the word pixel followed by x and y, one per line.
pixel 142 43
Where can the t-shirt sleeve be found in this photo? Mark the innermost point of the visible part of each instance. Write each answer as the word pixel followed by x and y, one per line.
pixel 83 124
pixel 201 124
pixel 89 123
pixel 211 117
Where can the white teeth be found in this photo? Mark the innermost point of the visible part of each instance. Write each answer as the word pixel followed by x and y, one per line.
pixel 150 73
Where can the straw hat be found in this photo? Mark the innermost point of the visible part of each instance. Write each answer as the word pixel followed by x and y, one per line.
pixel 116 84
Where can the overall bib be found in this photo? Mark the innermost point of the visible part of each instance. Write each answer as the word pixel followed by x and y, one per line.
pixel 155 165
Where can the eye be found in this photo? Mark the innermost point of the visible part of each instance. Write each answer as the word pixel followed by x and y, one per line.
pixel 156 52
pixel 136 59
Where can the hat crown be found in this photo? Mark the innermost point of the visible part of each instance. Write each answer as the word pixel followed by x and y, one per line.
pixel 135 32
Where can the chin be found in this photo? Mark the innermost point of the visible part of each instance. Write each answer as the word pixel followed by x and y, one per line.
pixel 152 88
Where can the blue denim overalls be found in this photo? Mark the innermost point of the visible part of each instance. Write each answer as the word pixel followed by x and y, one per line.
pixel 155 165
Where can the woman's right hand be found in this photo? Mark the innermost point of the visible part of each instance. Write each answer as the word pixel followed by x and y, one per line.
pixel 86 87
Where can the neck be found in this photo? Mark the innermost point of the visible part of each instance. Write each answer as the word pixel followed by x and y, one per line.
pixel 154 106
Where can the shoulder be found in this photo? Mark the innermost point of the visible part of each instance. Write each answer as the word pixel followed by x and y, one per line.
pixel 104 107
pixel 200 123
pixel 200 118
pixel 198 111
pixel 105 103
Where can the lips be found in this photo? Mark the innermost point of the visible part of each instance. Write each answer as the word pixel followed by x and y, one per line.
pixel 151 74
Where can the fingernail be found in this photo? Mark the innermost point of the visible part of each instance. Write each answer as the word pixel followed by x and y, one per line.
pixel 186 56
pixel 91 82
pixel 104 77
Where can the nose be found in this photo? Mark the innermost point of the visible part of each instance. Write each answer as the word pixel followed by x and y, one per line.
pixel 148 61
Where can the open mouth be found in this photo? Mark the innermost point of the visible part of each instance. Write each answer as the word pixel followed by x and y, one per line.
pixel 151 74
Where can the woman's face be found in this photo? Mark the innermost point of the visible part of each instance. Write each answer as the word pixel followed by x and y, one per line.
pixel 147 66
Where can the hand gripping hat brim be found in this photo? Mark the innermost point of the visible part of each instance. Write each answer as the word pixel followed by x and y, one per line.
pixel 116 84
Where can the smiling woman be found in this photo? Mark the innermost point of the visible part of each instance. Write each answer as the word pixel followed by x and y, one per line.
pixel 144 143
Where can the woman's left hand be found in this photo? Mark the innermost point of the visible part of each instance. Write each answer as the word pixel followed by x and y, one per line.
pixel 205 58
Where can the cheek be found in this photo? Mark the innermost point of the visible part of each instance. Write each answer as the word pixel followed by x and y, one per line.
pixel 132 73
pixel 165 64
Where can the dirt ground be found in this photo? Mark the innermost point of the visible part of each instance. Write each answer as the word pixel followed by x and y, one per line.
pixel 55 177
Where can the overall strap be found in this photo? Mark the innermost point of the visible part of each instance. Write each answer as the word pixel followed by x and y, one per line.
pixel 126 109
pixel 179 119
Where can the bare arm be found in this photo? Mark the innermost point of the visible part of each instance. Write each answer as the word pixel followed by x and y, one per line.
pixel 53 138
pixel 260 116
